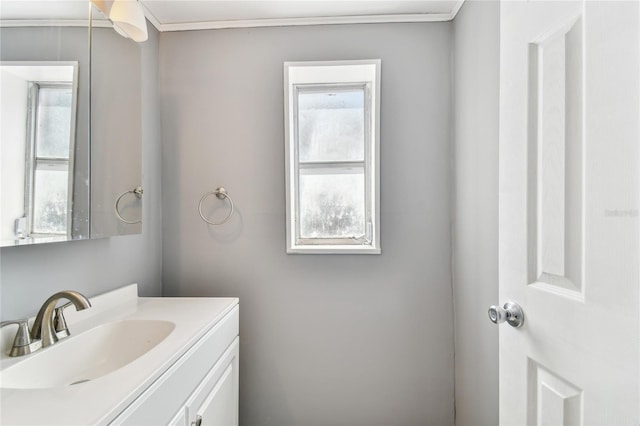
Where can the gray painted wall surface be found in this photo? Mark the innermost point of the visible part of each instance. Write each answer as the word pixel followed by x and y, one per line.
pixel 475 212
pixel 30 274
pixel 325 339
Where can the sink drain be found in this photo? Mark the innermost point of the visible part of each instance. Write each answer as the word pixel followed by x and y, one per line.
pixel 77 382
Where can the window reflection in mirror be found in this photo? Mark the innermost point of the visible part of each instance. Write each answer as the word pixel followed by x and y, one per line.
pixel 51 106
pixel 38 137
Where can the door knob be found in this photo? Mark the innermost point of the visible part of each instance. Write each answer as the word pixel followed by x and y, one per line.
pixel 510 312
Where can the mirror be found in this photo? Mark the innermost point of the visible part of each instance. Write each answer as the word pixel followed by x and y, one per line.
pixel 116 131
pixel 67 153
pixel 44 137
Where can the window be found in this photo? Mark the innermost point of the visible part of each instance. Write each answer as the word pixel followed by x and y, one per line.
pixel 332 156
pixel 48 184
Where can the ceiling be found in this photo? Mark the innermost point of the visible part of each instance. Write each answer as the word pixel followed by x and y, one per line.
pixel 180 15
pixel 177 15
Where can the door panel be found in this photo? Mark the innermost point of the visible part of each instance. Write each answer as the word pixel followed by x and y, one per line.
pixel 220 409
pixel 556 401
pixel 569 190
pixel 215 401
pixel 555 110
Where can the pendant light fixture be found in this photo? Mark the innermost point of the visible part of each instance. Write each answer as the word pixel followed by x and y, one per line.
pixel 128 19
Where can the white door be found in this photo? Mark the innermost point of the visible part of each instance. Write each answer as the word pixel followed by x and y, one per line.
pixel 569 192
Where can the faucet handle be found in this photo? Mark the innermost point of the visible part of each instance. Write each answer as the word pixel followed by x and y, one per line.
pixel 22 344
pixel 23 337
pixel 59 322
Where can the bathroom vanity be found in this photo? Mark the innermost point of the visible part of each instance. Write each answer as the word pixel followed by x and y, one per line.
pixel 130 361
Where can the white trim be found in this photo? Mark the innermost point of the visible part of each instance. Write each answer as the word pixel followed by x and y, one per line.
pixel 456 9
pixel 324 72
pixel 289 22
pixel 251 23
pixel 151 18
pixel 11 23
pixel 333 249
pixel 72 148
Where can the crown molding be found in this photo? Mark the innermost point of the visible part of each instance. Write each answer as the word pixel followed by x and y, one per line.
pixel 252 23
pixel 456 9
pixel 288 22
pixel 14 23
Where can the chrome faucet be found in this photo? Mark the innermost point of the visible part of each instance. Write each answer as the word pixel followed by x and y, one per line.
pixel 44 326
pixel 47 328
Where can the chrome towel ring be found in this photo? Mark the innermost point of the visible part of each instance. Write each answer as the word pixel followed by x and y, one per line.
pixel 221 193
pixel 138 193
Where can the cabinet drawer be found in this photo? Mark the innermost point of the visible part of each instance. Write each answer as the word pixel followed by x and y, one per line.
pixel 159 404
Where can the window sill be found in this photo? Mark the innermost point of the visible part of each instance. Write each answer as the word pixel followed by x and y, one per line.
pixel 333 249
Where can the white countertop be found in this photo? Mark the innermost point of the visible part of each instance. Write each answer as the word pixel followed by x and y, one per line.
pixel 100 400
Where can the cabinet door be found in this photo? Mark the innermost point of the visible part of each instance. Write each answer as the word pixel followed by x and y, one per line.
pixel 180 418
pixel 215 402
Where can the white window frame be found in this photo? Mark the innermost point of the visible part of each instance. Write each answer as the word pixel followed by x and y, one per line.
pixel 35 162
pixel 312 76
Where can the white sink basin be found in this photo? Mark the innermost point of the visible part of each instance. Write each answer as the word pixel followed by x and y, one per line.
pixel 86 356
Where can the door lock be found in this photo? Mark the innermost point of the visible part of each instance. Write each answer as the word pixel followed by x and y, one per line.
pixel 510 312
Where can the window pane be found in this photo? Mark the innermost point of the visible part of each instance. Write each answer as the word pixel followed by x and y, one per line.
pixel 50 202
pixel 331 126
pixel 332 203
pixel 54 122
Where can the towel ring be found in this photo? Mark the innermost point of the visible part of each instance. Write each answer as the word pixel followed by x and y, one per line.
pixel 221 193
pixel 138 193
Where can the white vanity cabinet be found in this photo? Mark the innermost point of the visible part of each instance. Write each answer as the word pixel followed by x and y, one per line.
pixel 200 388
pixel 130 360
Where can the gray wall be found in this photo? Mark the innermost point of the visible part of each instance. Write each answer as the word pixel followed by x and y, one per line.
pixel 326 339
pixel 475 212
pixel 30 274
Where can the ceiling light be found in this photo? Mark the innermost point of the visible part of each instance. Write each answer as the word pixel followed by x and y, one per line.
pixel 128 19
